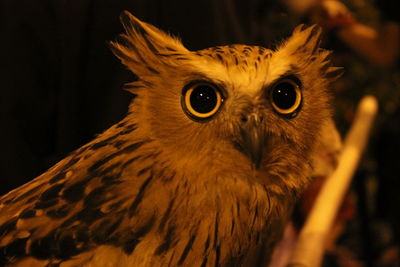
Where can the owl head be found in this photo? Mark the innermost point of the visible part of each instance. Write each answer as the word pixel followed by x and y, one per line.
pixel 236 108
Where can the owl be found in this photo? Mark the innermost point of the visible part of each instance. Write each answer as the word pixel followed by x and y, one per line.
pixel 203 171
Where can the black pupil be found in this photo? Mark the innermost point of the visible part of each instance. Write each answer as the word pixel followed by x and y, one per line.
pixel 203 99
pixel 284 95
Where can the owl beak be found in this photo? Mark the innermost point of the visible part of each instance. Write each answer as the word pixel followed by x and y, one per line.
pixel 253 139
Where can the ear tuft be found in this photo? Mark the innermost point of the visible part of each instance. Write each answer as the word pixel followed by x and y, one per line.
pixel 142 48
pixel 304 40
pixel 304 46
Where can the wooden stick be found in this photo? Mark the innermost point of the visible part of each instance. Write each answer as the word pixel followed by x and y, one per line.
pixel 310 246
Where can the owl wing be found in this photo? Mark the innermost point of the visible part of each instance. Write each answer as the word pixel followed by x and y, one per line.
pixel 79 206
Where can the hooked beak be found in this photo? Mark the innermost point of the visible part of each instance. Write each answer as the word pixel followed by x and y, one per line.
pixel 252 140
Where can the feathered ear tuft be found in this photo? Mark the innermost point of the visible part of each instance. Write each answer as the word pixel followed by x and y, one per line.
pixel 144 48
pixel 304 44
pixel 304 40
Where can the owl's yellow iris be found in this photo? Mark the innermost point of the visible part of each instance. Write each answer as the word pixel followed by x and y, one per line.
pixel 202 101
pixel 286 97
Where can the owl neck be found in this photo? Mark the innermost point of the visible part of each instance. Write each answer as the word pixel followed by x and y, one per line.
pixel 220 217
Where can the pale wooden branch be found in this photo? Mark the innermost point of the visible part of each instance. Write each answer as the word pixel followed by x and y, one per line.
pixel 310 246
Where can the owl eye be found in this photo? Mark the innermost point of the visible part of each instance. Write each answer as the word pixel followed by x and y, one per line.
pixel 201 101
pixel 286 97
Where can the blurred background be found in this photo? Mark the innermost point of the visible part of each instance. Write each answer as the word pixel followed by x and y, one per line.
pixel 61 85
